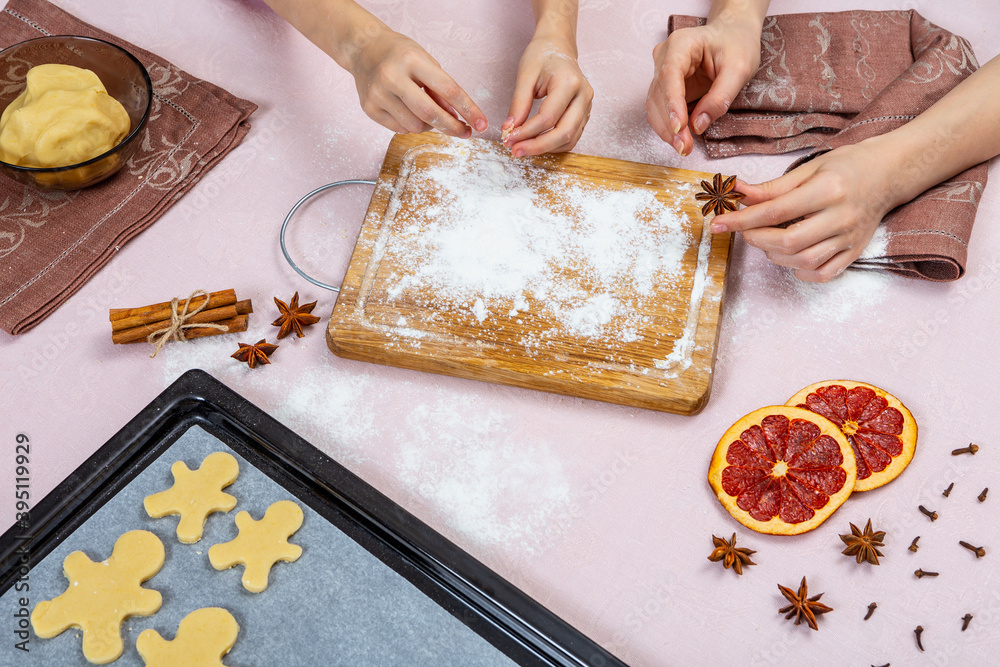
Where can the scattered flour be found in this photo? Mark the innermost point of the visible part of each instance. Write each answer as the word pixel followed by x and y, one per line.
pixel 498 240
pixel 680 359
pixel 593 314
pixel 772 297
pixel 479 308
pixel 466 461
pixel 852 292
pixel 330 409
pixel 877 247
pixel 472 463
pixel 211 354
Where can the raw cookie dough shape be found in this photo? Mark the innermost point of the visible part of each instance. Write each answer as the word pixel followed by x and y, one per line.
pixel 102 595
pixel 203 637
pixel 196 494
pixel 260 544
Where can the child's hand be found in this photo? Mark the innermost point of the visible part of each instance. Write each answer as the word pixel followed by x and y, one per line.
pixel 712 62
pixel 842 196
pixel 403 87
pixel 548 70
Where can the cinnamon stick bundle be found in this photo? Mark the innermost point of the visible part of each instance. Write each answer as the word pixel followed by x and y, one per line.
pixel 134 325
pixel 126 318
pixel 140 333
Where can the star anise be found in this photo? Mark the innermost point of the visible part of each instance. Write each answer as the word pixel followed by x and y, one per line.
pixel 255 354
pixel 730 555
pixel 802 606
pixel 293 316
pixel 864 544
pixel 719 195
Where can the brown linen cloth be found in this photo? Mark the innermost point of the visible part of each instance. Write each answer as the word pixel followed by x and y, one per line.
pixel 833 79
pixel 52 243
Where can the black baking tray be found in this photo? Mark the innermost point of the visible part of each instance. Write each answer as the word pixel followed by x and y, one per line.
pixel 489 605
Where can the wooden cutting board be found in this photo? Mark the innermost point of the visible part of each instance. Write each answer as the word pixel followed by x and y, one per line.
pixel 646 339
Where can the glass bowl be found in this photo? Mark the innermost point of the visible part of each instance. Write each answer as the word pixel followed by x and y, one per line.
pixel 121 73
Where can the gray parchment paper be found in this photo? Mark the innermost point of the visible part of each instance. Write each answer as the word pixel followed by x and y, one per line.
pixel 336 605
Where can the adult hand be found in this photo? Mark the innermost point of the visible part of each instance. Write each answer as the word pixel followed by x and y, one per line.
pixel 711 64
pixel 548 70
pixel 403 87
pixel 836 200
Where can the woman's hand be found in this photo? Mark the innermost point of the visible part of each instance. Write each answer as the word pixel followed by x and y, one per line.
pixel 711 64
pixel 840 196
pixel 548 70
pixel 403 87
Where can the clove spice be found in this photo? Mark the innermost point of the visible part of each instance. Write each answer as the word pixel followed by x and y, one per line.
pixel 922 573
pixel 982 496
pixel 979 551
pixel 871 610
pixel 947 492
pixel 918 631
pixel 971 449
pixel 913 545
pixel 928 513
pixel 965 621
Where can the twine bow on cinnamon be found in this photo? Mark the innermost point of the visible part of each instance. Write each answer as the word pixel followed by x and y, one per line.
pixel 179 322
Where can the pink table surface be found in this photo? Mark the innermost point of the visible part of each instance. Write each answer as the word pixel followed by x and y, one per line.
pixel 600 512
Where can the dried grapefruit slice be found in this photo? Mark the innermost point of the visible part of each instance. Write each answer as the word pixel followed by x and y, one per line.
pixel 881 430
pixel 782 470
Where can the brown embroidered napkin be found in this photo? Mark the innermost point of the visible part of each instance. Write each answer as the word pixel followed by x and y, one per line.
pixel 833 79
pixel 52 243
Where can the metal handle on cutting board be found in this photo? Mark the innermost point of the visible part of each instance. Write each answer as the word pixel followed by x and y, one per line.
pixel 284 226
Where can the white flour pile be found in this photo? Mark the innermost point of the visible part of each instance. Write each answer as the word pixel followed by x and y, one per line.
pixel 500 241
pixel 853 291
pixel 878 245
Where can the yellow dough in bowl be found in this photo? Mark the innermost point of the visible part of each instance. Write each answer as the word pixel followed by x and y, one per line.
pixel 65 116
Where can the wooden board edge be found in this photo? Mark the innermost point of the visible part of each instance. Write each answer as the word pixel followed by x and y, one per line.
pixel 717 310
pixel 345 348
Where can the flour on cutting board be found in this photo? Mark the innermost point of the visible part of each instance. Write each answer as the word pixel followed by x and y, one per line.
pixel 497 240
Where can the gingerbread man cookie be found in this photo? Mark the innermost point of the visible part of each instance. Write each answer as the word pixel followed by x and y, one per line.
pixel 203 637
pixel 260 544
pixel 101 595
pixel 196 494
